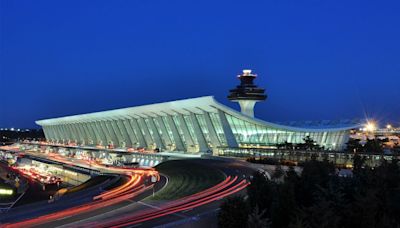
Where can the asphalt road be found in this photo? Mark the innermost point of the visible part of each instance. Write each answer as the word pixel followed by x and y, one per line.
pixel 127 206
pixel 205 215
pixel 201 216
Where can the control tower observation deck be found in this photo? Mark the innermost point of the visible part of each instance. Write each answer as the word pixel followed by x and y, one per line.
pixel 247 93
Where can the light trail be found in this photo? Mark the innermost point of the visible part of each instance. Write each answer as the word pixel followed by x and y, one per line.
pixel 119 189
pixel 129 193
pixel 221 190
pixel 132 188
pixel 225 193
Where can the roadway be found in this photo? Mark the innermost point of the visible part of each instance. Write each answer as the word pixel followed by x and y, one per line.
pixel 194 211
pixel 129 207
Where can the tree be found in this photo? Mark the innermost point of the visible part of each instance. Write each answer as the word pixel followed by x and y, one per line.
pixel 318 197
pixel 374 146
pixel 234 213
pixel 285 145
pixel 358 165
pixel 310 144
pixel 354 145
pixel 261 192
pixel 315 173
pixel 284 205
pixel 278 173
pixel 256 219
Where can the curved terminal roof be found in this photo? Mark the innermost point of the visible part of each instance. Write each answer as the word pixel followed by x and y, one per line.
pixel 195 105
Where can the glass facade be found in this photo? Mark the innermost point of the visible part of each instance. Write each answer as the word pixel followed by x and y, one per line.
pixel 189 130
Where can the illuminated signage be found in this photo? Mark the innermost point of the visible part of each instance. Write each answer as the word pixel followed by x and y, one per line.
pixel 6 191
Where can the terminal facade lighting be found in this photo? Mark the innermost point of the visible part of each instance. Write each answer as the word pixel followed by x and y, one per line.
pixel 190 125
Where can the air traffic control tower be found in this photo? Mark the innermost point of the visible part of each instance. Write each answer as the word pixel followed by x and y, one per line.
pixel 247 93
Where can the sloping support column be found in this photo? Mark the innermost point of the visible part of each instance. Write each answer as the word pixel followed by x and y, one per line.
pixel 203 146
pixel 165 136
pixel 92 135
pixel 345 136
pixel 49 133
pixel 177 138
pixel 95 134
pixel 229 136
pixel 64 134
pixel 135 127
pixel 56 136
pixel 106 132
pixel 112 133
pixel 156 134
pixel 124 133
pixel 145 129
pixel 88 136
pixel 118 133
pixel 68 135
pixel 102 135
pixel 185 130
pixel 44 131
pixel 54 131
pixel 84 137
pixel 324 137
pixel 211 130
pixel 75 135
pixel 81 138
pixel 131 133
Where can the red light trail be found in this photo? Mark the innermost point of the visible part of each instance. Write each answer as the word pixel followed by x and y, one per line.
pixel 223 189
pixel 124 192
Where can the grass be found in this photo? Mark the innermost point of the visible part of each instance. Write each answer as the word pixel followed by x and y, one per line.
pixel 185 178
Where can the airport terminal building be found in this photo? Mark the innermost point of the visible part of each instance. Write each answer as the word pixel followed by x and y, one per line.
pixel 190 125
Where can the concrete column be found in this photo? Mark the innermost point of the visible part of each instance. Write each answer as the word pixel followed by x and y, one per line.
pixel 118 133
pixel 93 135
pixel 131 133
pixel 96 136
pixel 165 134
pixel 84 138
pixel 79 135
pixel 97 127
pixel 67 133
pixel 203 146
pixel 50 134
pixel 185 130
pixel 85 132
pixel 113 135
pixel 230 138
pixel 106 132
pixel 82 132
pixel 54 132
pixel 62 132
pixel 135 127
pixel 73 133
pixel 177 138
pixel 211 130
pixel 156 134
pixel 147 135
pixel 124 133
pixel 323 140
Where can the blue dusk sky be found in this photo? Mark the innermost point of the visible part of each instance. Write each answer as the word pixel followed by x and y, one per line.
pixel 317 59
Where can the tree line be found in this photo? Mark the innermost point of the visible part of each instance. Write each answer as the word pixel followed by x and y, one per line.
pixel 319 197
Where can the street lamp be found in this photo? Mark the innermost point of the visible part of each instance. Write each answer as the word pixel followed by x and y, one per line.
pixel 370 126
